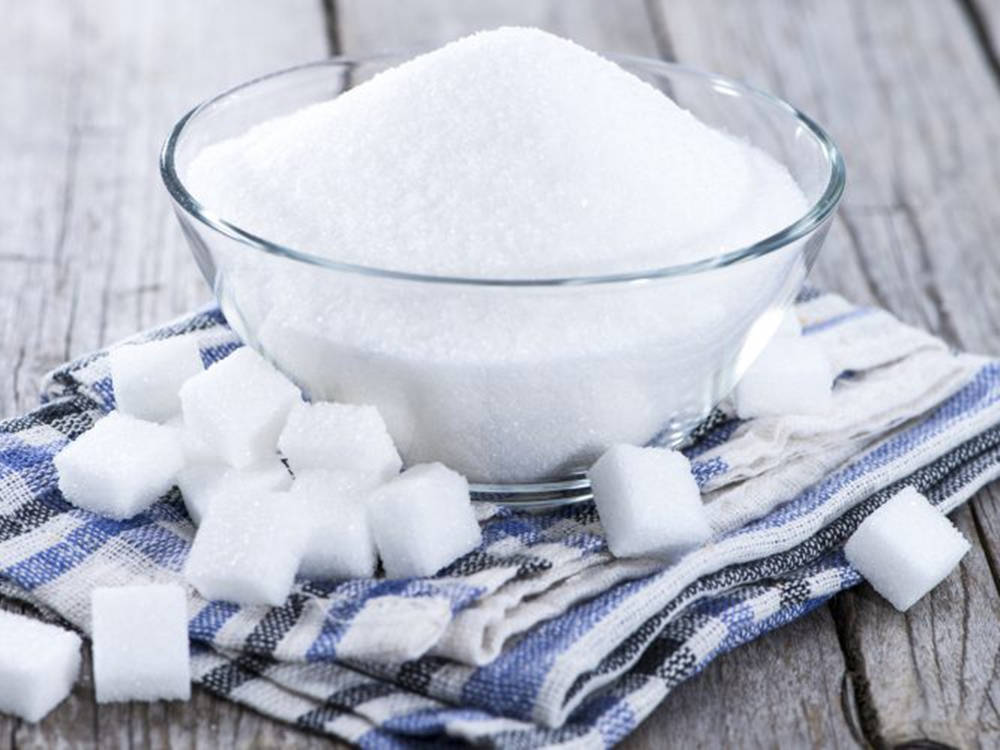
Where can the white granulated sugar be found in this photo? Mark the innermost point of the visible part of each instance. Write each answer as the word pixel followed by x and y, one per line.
pixel 508 153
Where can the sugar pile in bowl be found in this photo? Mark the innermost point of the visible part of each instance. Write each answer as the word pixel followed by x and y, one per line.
pixel 509 154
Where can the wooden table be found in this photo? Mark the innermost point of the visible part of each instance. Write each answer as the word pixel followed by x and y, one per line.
pixel 89 253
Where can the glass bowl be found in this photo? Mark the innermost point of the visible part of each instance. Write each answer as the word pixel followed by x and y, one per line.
pixel 518 384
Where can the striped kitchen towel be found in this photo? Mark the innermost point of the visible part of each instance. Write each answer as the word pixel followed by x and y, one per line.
pixel 539 637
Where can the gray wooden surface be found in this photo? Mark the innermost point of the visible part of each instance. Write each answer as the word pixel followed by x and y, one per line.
pixel 909 88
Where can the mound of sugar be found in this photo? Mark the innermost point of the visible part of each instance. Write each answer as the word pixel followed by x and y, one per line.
pixel 509 153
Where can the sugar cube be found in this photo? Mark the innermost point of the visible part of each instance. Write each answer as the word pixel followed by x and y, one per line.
pixel 38 665
pixel 905 548
pixel 195 450
pixel 791 376
pixel 238 406
pixel 198 482
pixel 140 643
pixel 335 506
pixel 648 502
pixel 324 435
pixel 148 377
pixel 247 548
pixel 423 520
pixel 120 466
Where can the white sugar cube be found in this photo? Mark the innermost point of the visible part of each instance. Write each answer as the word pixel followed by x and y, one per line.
pixel 148 377
pixel 905 548
pixel 120 466
pixel 353 437
pixel 198 482
pixel 648 502
pixel 140 643
pixel 335 506
pixel 38 665
pixel 791 376
pixel 423 520
pixel 247 548
pixel 238 406
pixel 195 450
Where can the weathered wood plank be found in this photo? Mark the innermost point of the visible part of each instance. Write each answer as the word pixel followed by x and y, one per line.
pixel 89 249
pixel 713 710
pixel 912 101
pixel 931 674
pixel 367 26
pixel 741 705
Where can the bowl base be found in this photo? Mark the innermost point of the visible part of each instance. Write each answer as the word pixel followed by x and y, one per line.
pixel 575 487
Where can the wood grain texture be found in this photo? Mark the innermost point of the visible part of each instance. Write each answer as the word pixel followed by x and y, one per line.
pixel 782 691
pixel 90 250
pixel 912 100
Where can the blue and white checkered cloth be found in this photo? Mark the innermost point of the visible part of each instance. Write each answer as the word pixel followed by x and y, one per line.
pixel 539 637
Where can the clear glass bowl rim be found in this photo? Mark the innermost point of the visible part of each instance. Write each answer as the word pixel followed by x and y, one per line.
pixel 814 216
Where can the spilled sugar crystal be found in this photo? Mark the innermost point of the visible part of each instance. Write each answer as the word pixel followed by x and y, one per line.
pixel 507 154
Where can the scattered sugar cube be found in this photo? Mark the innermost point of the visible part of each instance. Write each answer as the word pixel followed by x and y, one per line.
pixel 791 376
pixel 120 466
pixel 335 506
pixel 324 435
pixel 238 406
pixel 140 643
pixel 148 377
pixel 423 520
pixel 247 548
pixel 198 482
pixel 648 502
pixel 38 665
pixel 905 548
